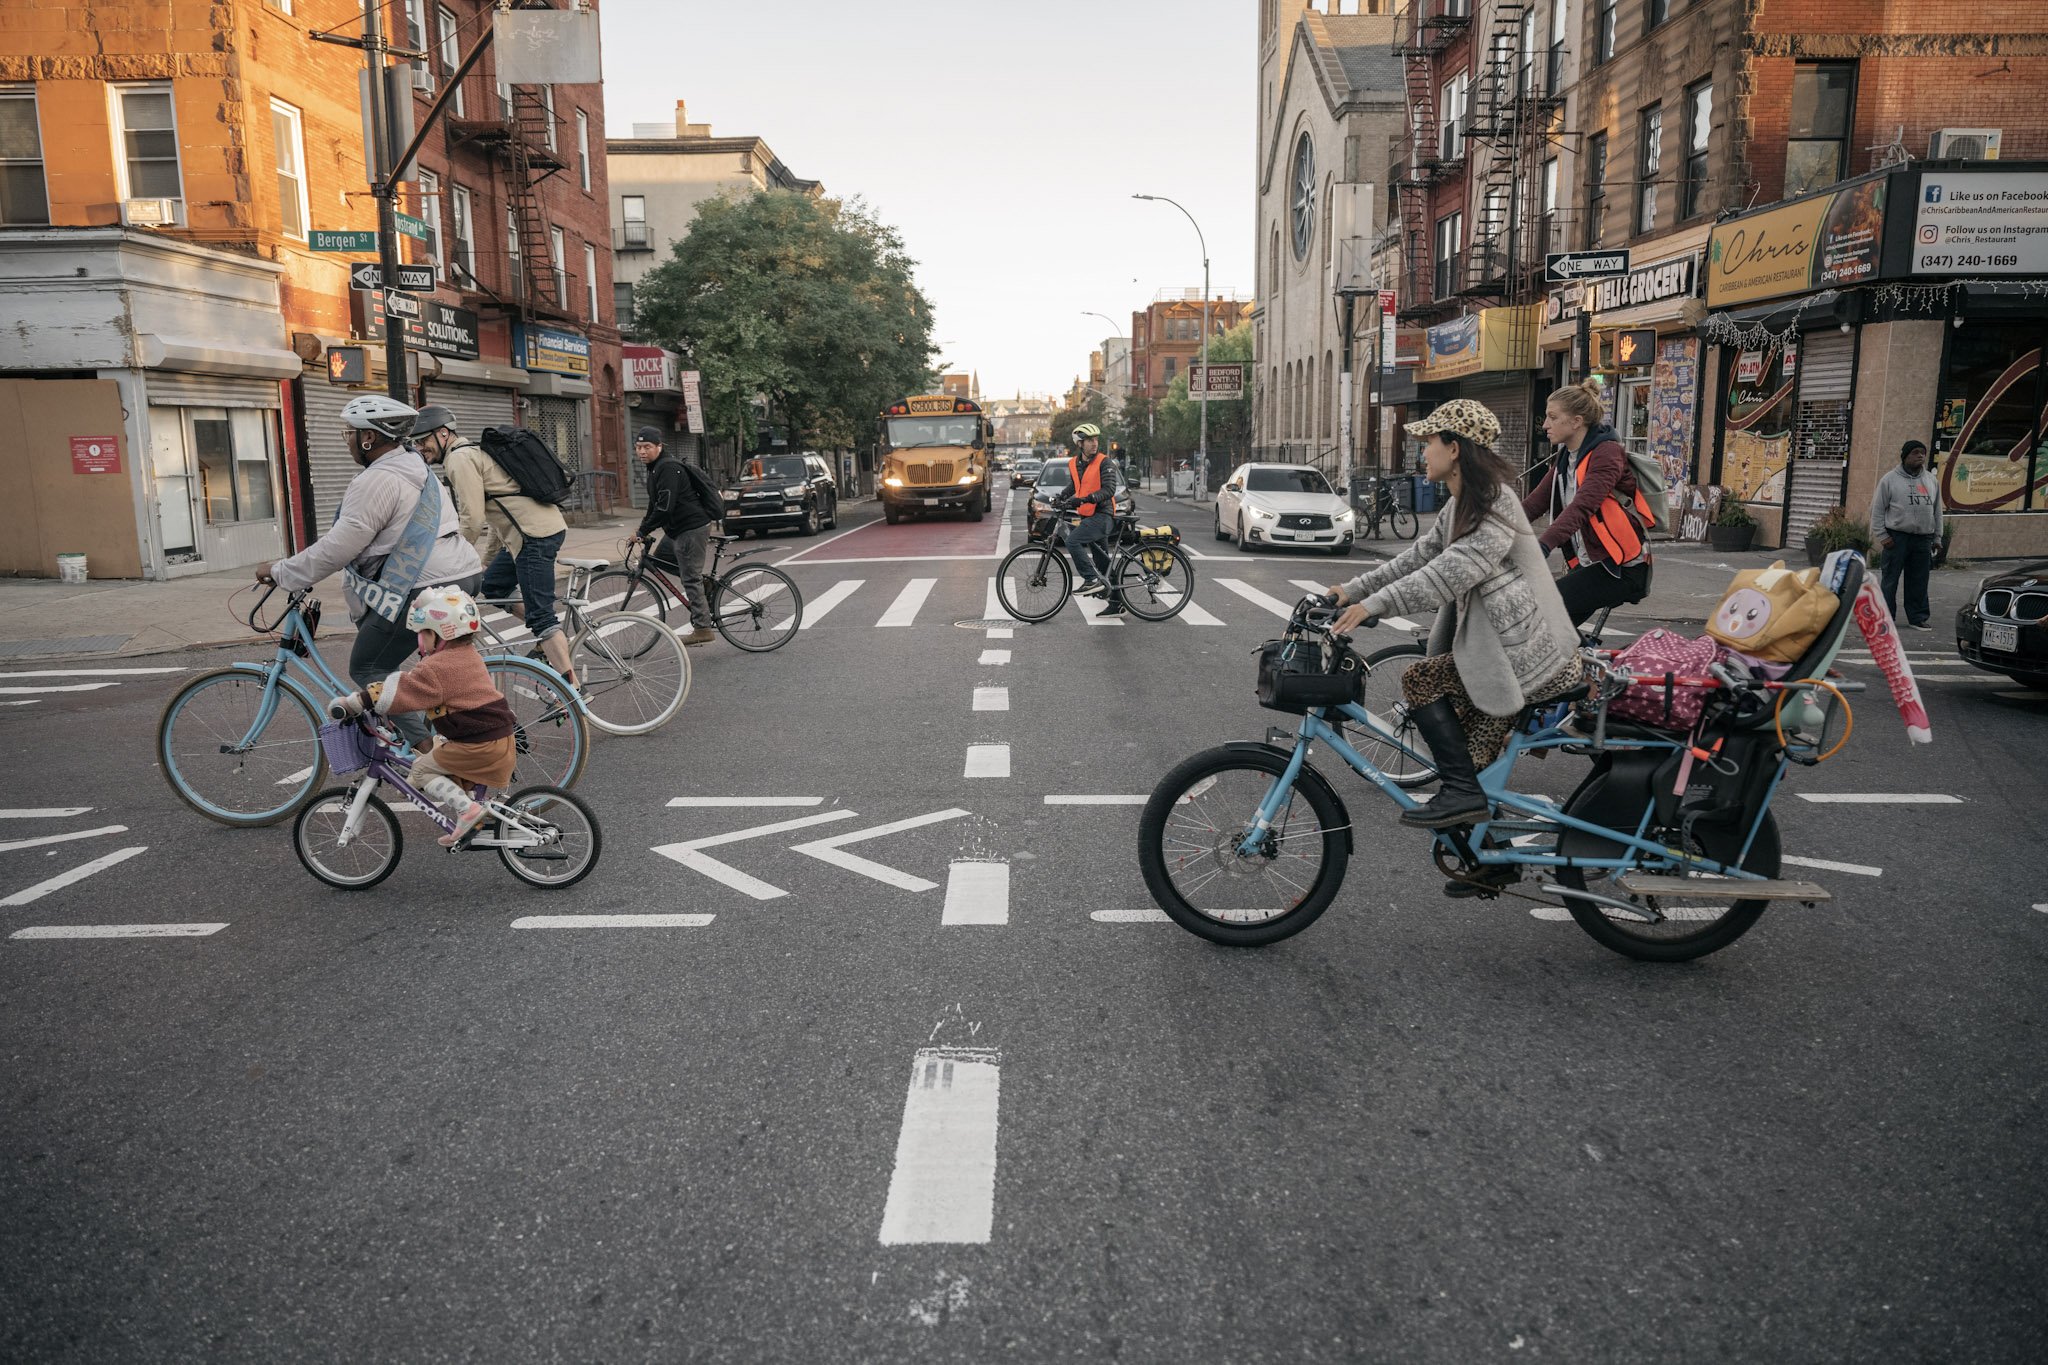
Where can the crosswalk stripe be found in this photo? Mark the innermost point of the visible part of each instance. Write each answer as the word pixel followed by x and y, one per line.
pixel 76 874
pixel 1192 611
pixel 1090 610
pixel 903 611
pixel 118 931
pixel 1310 585
pixel 1257 598
pixel 815 609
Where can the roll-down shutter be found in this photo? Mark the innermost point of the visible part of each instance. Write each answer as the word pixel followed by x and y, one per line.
pixel 174 389
pixel 1827 389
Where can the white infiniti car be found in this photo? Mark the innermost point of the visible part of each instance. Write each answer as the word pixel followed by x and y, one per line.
pixel 1283 505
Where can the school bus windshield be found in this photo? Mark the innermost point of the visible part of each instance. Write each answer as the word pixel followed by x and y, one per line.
pixel 907 433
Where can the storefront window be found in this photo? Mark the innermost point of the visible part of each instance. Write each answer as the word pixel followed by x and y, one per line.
pixel 1756 434
pixel 1990 428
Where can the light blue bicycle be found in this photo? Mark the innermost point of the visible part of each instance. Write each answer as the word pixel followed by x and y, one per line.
pixel 1666 851
pixel 241 744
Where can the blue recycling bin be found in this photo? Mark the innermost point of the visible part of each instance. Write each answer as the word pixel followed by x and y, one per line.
pixel 1424 494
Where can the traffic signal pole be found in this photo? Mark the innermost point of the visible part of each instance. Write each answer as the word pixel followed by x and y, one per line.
pixel 384 186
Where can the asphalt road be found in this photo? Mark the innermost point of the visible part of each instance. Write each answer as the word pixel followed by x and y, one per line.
pixel 825 1123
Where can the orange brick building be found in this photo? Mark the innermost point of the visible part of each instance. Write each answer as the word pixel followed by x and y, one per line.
pixel 226 129
pixel 1166 337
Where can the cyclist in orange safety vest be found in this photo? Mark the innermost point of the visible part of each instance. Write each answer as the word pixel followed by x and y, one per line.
pixel 1598 517
pixel 1091 493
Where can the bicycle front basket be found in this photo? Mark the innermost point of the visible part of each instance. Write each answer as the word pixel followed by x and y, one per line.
pixel 1294 676
pixel 349 747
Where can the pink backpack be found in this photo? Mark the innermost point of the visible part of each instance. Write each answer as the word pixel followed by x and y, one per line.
pixel 1651 701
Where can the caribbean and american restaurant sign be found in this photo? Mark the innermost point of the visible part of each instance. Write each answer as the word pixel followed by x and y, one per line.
pixel 1819 242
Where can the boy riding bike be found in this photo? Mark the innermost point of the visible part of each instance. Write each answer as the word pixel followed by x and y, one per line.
pixel 473 724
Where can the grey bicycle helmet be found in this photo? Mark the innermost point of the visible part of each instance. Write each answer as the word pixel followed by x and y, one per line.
pixel 433 417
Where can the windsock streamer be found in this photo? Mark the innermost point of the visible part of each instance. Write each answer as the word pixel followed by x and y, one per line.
pixel 1882 634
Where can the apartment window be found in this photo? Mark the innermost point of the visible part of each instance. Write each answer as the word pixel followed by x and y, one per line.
pixel 462 238
pixel 416 38
pixel 1823 96
pixel 23 197
pixel 451 53
pixel 1547 231
pixel 515 274
pixel 1553 75
pixel 557 256
pixel 1450 236
pixel 148 134
pixel 1699 122
pixel 1454 102
pixel 583 148
pixel 504 101
pixel 430 211
pixel 1603 44
pixel 1596 189
pixel 1655 12
pixel 622 303
pixel 281 6
pixel 1170 364
pixel 288 144
pixel 590 280
pixel 547 102
pixel 1525 70
pixel 1649 158
pixel 633 214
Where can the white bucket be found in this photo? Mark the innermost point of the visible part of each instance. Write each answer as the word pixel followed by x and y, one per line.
pixel 71 568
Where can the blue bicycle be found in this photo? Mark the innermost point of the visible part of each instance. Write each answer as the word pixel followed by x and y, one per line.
pixel 1666 851
pixel 241 744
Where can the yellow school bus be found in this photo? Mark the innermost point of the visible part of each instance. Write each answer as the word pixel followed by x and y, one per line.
pixel 934 457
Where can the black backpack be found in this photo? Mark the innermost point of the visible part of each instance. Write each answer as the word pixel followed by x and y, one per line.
pixel 526 458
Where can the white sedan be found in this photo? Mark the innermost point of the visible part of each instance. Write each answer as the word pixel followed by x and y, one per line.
pixel 1283 505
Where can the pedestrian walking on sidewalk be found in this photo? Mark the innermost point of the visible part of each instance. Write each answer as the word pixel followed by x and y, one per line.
pixel 682 504
pixel 1905 521
pixel 516 537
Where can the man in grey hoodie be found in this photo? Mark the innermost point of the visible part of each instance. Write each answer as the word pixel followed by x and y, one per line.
pixel 1905 521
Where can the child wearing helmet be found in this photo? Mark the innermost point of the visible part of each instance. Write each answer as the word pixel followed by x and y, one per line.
pixel 473 725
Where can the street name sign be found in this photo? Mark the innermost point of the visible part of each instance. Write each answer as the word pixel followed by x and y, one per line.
pixel 320 239
pixel 1562 267
pixel 417 229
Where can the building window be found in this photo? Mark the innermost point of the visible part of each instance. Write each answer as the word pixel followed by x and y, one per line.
pixel 1823 97
pixel 1546 231
pixel 23 196
pixel 590 280
pixel 430 212
pixel 288 144
pixel 1553 67
pixel 583 148
pixel 1699 122
pixel 633 216
pixel 557 256
pixel 547 102
pixel 1450 236
pixel 281 6
pixel 1453 102
pixel 1169 368
pixel 622 303
pixel 1649 157
pixel 1603 44
pixel 416 38
pixel 1990 444
pixel 451 53
pixel 1596 189
pixel 148 134
pixel 230 455
pixel 505 110
pixel 1525 69
pixel 462 239
pixel 1655 12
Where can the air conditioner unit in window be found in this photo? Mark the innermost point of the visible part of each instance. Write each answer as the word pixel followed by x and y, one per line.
pixel 149 212
pixel 1966 144
pixel 422 77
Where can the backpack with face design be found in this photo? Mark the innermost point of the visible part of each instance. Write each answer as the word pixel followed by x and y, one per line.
pixel 1773 614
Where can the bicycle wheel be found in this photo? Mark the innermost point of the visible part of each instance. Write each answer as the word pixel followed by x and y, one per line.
pixel 618 590
pixel 1155 593
pixel 1692 926
pixel 757 608
pixel 1402 521
pixel 571 840
pixel 1034 582
pixel 370 853
pixel 552 738
pixel 1409 764
pixel 229 763
pixel 632 671
pixel 1188 847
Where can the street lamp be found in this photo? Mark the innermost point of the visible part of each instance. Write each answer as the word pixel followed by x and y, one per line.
pixel 1128 385
pixel 1202 463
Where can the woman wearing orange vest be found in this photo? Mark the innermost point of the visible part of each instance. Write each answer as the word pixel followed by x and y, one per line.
pixel 1090 493
pixel 1598 518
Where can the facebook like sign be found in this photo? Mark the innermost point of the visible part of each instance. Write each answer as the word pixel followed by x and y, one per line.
pixel 1981 222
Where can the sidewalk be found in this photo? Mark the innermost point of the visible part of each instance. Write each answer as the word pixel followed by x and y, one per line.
pixel 127 618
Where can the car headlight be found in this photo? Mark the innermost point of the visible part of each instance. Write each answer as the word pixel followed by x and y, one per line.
pixel 892 482
pixel 1347 515
pixel 732 495
pixel 965 478
pixel 795 490
pixel 1262 514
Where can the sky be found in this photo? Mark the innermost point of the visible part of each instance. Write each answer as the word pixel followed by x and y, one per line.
pixel 1002 141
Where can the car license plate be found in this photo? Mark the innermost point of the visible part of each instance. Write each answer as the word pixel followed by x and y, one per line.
pixel 1283 535
pixel 2005 639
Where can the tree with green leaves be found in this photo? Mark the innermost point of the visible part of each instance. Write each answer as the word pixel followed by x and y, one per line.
pixel 1230 421
pixel 807 303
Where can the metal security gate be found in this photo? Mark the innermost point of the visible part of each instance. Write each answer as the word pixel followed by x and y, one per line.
pixel 1820 430
pixel 327 456
pixel 172 390
pixel 475 406
pixel 559 422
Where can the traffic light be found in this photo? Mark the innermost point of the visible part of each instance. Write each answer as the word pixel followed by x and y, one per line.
pixel 1636 346
pixel 347 365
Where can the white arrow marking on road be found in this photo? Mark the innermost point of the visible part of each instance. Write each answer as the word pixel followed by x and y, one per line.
pixel 1310 585
pixel 977 893
pixel 76 874
pixel 45 813
pixel 54 687
pixel 943 1188
pixel 987 760
pixel 1824 865
pixel 903 611
pixel 815 609
pixel 12 844
pixel 118 931
pixel 687 853
pixel 991 698
pixel 828 850
pixel 300 776
pixel 1257 598
pixel 746 801
pixel 612 921
pixel 1148 916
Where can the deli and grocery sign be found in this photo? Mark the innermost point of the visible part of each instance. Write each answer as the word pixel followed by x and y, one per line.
pixel 1813 243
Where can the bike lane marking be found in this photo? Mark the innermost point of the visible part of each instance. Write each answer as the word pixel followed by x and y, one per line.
pixel 1824 865
pixel 44 813
pixel 1151 915
pixel 943 1186
pixel 815 609
pixel 76 874
pixel 977 893
pixel 612 921
pixel 991 698
pixel 903 611
pixel 987 760
pixel 724 801
pixel 829 850
pixel 118 931
pixel 992 603
pixel 1880 798
pixel 687 853
pixel 1096 800
pixel 54 687
pixel 10 845
pixel 993 658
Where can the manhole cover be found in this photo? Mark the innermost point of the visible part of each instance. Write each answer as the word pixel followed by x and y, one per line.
pixel 986 623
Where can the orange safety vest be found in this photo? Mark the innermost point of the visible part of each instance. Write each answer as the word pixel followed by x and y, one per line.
pixel 1092 488
pixel 1618 533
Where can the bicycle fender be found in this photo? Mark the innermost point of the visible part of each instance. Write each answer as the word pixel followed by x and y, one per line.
pixel 1309 774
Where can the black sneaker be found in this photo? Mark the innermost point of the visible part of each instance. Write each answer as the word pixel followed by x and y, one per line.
pixel 1113 609
pixel 1091 590
pixel 1920 625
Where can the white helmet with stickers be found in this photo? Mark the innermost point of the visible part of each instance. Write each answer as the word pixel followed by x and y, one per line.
pixel 447 612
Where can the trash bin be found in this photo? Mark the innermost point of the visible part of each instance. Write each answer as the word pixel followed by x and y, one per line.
pixel 1422 494
pixel 71 568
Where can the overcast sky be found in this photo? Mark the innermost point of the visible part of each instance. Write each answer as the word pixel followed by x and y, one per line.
pixel 1003 140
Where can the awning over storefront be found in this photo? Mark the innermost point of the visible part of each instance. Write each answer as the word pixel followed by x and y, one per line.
pixel 1493 339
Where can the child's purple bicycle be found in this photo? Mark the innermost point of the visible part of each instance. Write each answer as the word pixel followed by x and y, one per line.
pixel 349 837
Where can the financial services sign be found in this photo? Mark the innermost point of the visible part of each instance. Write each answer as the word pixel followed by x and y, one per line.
pixel 1981 223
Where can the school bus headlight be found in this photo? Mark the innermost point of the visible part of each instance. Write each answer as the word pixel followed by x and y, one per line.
pixel 965 478
pixel 892 482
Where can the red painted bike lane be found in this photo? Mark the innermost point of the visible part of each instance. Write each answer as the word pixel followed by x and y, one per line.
pixel 934 538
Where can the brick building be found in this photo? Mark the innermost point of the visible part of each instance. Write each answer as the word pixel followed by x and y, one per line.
pixel 1166 337
pixel 174 161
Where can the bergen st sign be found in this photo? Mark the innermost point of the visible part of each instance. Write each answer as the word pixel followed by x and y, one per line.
pixel 1563 267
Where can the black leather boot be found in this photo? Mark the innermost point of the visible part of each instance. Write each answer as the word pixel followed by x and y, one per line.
pixel 1458 800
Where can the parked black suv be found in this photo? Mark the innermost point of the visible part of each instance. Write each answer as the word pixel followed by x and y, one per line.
pixel 782 490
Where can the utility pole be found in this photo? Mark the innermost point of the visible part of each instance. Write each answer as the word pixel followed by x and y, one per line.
pixel 1202 462
pixel 384 186
pixel 1344 402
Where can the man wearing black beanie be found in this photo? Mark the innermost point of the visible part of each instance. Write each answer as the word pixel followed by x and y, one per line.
pixel 682 504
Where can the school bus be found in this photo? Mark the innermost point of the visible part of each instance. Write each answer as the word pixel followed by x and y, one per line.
pixel 935 457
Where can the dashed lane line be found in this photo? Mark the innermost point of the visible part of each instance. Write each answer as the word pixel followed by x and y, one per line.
pixel 1880 798
pixel 977 893
pixel 1002 632
pixel 987 760
pixel 1824 865
pixel 943 1185
pixel 54 687
pixel 993 658
pixel 76 874
pixel 991 698
pixel 992 603
pixel 44 812
pixel 734 801
pixel 1071 800
pixel 1149 915
pixel 118 931
pixel 612 921
pixel 903 611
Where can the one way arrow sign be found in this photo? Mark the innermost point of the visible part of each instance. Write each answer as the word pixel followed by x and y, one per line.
pixel 1562 267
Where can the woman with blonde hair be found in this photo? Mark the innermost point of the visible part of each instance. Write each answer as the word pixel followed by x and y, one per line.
pixel 1598 517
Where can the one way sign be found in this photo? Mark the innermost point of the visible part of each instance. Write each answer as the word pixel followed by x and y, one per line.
pixel 1562 267
pixel 413 279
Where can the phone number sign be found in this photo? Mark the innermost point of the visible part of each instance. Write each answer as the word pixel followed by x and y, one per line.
pixel 1993 222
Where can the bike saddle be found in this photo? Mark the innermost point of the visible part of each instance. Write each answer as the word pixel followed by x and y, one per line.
pixel 592 564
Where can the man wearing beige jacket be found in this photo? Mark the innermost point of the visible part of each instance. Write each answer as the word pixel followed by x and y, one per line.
pixel 516 537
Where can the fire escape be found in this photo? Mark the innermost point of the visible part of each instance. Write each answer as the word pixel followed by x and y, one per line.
pixel 521 138
pixel 1433 154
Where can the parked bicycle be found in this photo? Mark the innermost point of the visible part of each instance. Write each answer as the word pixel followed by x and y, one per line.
pixel 755 607
pixel 349 837
pixel 241 744
pixel 631 671
pixel 1148 570
pixel 1382 505
pixel 1666 851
